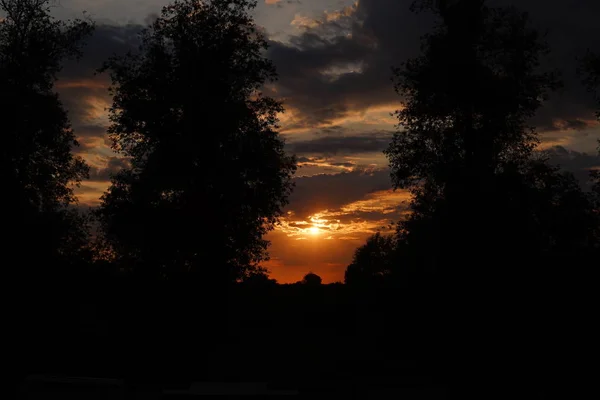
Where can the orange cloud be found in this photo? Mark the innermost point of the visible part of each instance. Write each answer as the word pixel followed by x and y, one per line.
pixel 379 116
pixel 325 165
pixel 350 222
pixel 304 22
pixel 83 83
pixel 89 192
pixel 567 136
pixel 97 110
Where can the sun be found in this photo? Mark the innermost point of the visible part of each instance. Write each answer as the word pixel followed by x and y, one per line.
pixel 314 230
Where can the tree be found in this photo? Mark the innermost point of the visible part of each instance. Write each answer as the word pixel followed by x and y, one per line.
pixel 489 216
pixel 467 102
pixel 44 237
pixel 311 279
pixel 374 262
pixel 38 168
pixel 591 78
pixel 260 280
pixel 209 175
pixel 591 67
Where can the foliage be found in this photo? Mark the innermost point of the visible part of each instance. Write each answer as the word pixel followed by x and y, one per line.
pixel 209 175
pixel 467 99
pixel 591 78
pixel 466 151
pixel 38 168
pixel 591 68
pixel 311 279
pixel 373 262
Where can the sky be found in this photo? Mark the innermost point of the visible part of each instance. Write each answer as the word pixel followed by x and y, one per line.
pixel 334 59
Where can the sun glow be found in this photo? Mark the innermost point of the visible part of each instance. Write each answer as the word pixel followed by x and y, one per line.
pixel 314 230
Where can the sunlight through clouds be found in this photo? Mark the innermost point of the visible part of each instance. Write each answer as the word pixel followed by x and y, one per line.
pixel 303 22
pixel 294 122
pixel 351 221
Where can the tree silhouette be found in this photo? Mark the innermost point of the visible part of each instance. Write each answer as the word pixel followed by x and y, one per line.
pixel 591 67
pixel 209 175
pixel 490 218
pixel 591 78
pixel 311 279
pixel 467 102
pixel 373 262
pixel 260 280
pixel 38 168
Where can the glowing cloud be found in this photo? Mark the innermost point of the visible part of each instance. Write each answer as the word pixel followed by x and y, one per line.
pixel 352 221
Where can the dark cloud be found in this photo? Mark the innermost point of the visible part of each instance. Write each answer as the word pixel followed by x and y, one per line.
pixel 390 217
pixel 85 94
pixel 91 130
pixel 280 3
pixel 572 28
pixel 576 162
pixel 114 165
pixel 380 34
pixel 343 145
pixel 575 124
pixel 332 130
pixel 106 41
pixel 321 192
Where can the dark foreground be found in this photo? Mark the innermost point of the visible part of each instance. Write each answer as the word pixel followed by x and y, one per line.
pixel 154 341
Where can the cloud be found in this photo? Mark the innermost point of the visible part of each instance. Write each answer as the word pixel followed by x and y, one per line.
pixel 343 145
pixel 114 165
pixel 332 191
pixel 342 227
pixel 106 41
pixel 579 163
pixel 89 192
pixel 374 212
pixel 323 165
pixel 84 93
pixel 86 98
pixel 362 43
pixel 358 45
pixel 338 17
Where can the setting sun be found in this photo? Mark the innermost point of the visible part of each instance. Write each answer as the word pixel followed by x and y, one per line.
pixel 314 230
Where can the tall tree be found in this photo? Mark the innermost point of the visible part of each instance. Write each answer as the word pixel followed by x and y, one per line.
pixel 591 78
pixel 38 167
pixel 467 102
pixel 489 215
pixel 209 175
pixel 43 237
pixel 591 66
pixel 374 262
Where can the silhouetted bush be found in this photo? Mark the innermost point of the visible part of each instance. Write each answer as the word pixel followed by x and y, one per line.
pixel 311 279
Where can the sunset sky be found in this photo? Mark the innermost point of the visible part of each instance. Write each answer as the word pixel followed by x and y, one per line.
pixel 334 59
